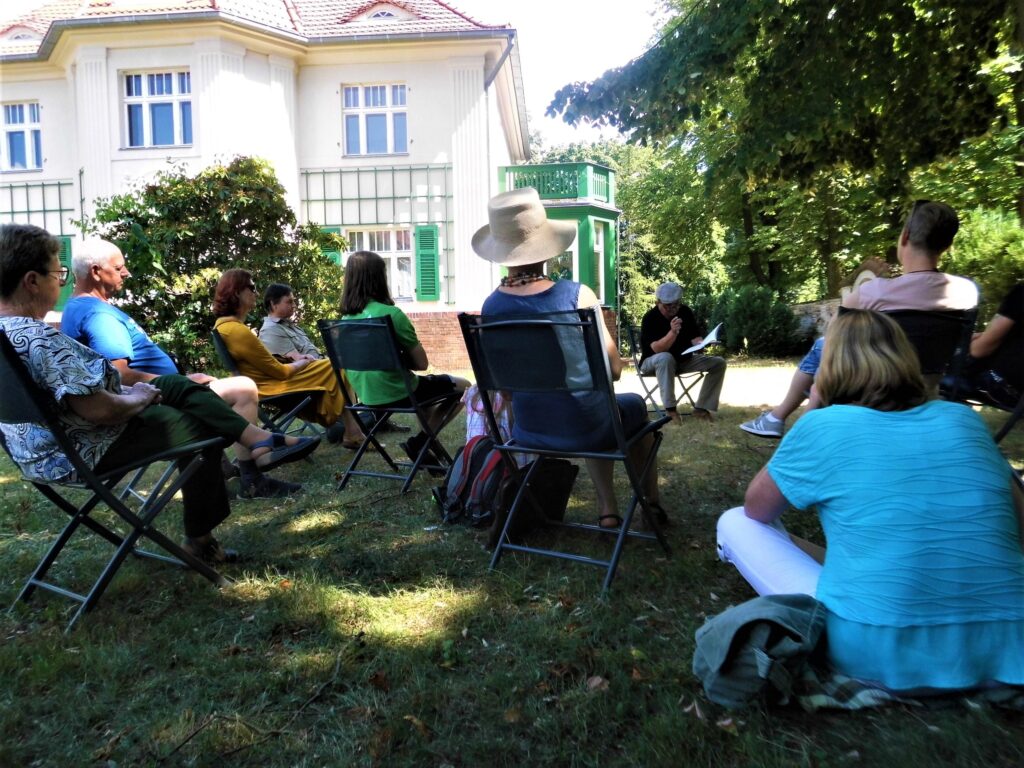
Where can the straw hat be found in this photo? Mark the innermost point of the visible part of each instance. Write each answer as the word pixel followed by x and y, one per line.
pixel 519 231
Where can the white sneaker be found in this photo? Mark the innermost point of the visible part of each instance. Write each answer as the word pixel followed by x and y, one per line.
pixel 764 425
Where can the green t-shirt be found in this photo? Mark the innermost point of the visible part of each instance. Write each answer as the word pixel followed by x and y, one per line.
pixel 382 387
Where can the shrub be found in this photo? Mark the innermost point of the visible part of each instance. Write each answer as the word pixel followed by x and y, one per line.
pixel 756 322
pixel 989 249
pixel 180 232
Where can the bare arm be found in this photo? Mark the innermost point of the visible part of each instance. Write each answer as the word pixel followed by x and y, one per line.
pixel 417 357
pixel 988 341
pixel 764 501
pixel 587 299
pixel 108 408
pixel 129 375
pixel 664 344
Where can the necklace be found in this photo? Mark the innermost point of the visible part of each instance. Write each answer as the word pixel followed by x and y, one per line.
pixel 522 278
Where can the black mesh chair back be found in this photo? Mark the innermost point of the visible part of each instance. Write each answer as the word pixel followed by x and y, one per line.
pixel 277 412
pixel 686 380
pixel 557 353
pixel 936 335
pixel 372 345
pixel 24 401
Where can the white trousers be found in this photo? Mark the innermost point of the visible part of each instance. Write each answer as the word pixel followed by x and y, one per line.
pixel 765 555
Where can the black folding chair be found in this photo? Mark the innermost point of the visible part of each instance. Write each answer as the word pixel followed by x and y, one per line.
pixel 942 338
pixel 23 402
pixel 277 412
pixel 371 345
pixel 559 352
pixel 687 380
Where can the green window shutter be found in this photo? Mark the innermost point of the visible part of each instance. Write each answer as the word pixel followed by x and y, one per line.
pixel 65 260
pixel 428 277
pixel 334 256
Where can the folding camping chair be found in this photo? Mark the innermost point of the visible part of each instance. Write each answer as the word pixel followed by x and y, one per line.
pixel 687 380
pixel 371 345
pixel 277 412
pixel 24 401
pixel 942 338
pixel 553 353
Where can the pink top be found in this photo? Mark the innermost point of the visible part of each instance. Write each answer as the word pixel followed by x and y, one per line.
pixel 917 290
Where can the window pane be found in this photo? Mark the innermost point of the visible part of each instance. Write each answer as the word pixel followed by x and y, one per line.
pixel 133 85
pixel 16 149
pixel 161 118
pixel 135 137
pixel 14 114
pixel 397 95
pixel 33 113
pixel 376 134
pixel 186 122
pixel 406 281
pixel 184 82
pixel 401 140
pixel 352 135
pixel 402 242
pixel 37 149
pixel 160 85
pixel 375 95
pixel 351 98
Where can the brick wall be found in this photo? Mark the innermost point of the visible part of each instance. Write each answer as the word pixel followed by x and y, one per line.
pixel 441 337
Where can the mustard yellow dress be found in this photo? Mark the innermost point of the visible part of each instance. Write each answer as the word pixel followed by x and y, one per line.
pixel 274 378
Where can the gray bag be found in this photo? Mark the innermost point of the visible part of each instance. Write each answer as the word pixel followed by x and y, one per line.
pixel 757 649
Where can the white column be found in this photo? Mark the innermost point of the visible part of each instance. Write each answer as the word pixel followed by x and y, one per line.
pixel 218 85
pixel 280 137
pixel 469 180
pixel 95 138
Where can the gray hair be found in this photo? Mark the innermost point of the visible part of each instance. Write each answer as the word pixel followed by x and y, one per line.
pixel 94 251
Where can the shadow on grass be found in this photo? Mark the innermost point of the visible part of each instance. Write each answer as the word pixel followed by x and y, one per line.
pixel 360 632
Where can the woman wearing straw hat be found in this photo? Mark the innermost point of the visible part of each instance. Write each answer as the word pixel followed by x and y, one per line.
pixel 521 238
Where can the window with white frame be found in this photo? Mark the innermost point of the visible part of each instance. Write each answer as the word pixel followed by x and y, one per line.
pixel 23 137
pixel 375 119
pixel 157 109
pixel 395 246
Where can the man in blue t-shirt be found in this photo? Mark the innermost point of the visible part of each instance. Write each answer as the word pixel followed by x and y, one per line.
pixel 91 319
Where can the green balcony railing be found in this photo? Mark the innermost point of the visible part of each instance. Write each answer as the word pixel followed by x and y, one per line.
pixel 561 181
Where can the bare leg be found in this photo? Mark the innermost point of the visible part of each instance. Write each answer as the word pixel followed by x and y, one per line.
pixel 601 473
pixel 798 387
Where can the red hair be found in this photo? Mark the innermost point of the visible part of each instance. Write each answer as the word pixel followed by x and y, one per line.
pixel 225 297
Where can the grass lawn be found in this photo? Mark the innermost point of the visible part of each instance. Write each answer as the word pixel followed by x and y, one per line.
pixel 359 632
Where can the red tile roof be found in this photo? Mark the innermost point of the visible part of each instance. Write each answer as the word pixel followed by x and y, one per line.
pixel 305 18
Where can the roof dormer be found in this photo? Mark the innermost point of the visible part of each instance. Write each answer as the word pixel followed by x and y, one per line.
pixel 384 12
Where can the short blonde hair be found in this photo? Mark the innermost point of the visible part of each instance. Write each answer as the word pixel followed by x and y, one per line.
pixel 868 361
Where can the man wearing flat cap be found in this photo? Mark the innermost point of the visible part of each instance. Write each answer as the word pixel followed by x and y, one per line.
pixel 666 331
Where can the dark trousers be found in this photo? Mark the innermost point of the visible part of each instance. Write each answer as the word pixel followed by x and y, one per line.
pixel 187 412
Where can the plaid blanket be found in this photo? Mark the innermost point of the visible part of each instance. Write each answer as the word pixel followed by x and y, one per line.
pixel 825 689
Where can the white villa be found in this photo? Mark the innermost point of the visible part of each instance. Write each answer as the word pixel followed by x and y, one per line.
pixel 385 121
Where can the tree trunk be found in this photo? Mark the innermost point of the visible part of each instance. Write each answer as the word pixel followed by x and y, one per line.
pixel 753 258
pixel 1017 47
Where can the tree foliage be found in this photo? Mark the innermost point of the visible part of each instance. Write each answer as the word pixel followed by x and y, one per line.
pixel 805 84
pixel 180 232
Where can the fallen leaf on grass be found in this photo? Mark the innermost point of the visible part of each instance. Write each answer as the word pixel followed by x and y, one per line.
pixel 694 709
pixel 596 683
pixel 285 584
pixel 637 674
pixel 380 681
pixel 419 725
pixel 513 715
pixel 728 725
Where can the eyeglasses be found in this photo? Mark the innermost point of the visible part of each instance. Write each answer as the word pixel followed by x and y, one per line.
pixel 61 274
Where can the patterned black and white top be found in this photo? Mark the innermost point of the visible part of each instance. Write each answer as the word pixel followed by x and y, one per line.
pixel 61 365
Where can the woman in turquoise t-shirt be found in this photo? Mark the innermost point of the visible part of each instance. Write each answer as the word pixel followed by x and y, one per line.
pixel 367 295
pixel 923 576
